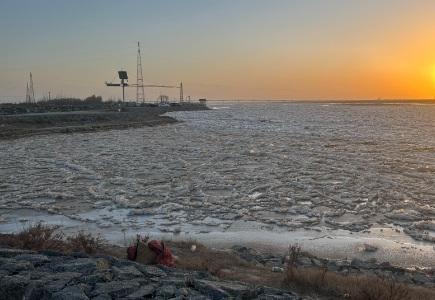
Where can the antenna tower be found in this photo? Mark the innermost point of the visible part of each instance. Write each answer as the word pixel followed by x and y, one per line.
pixel 181 92
pixel 31 91
pixel 27 93
pixel 140 94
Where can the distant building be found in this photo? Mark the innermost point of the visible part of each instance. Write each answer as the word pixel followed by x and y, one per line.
pixel 203 101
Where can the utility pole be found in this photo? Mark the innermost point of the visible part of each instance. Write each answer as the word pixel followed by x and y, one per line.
pixel 140 94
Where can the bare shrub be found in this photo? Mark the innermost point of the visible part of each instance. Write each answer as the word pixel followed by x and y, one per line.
pixel 85 242
pixel 36 237
pixel 294 252
pixel 47 237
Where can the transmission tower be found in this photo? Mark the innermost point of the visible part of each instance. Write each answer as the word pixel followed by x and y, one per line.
pixel 140 94
pixel 181 92
pixel 30 93
pixel 27 93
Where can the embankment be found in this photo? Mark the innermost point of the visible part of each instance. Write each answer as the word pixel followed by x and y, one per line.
pixel 21 125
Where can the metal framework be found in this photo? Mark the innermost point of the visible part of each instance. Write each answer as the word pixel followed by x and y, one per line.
pixel 181 92
pixel 140 94
pixel 30 93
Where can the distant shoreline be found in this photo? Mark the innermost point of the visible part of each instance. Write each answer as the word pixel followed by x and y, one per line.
pixel 25 125
pixel 332 101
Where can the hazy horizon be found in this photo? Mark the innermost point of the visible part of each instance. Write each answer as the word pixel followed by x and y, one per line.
pixel 244 50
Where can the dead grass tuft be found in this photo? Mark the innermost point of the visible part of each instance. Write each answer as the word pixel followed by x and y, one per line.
pixel 323 282
pixel 46 237
pixel 85 242
pixel 36 237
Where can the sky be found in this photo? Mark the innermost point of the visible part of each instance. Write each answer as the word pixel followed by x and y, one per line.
pixel 221 49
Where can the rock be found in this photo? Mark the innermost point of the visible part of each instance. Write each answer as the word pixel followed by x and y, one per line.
pixel 14 252
pixel 116 289
pixel 221 288
pixel 58 281
pixel 17 267
pixel 167 291
pixel 183 292
pixel 77 277
pixel 150 270
pixel 199 297
pixel 13 287
pixel 127 272
pixel 36 291
pixel 210 289
pixel 102 297
pixel 79 255
pixel 51 253
pixel 55 286
pixel 67 276
pixel 70 293
pixel 178 282
pixel 277 297
pixel 82 265
pixel 95 278
pixel 360 264
pixel 36 259
pixel 144 291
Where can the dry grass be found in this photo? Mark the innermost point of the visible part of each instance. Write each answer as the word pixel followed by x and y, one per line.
pixel 37 237
pixel 223 264
pixel 203 258
pixel 352 286
pixel 228 265
pixel 44 237
pixel 85 243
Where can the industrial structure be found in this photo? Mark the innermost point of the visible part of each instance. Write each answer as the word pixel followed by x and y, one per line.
pixel 140 86
pixel 140 94
pixel 30 92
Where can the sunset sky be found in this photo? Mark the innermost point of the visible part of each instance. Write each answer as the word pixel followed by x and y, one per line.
pixel 221 49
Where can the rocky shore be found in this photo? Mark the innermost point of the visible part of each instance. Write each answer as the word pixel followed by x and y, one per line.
pixel 28 274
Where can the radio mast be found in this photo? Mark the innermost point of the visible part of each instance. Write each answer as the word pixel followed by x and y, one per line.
pixel 140 94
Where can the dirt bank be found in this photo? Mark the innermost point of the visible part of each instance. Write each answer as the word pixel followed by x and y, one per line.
pixel 21 125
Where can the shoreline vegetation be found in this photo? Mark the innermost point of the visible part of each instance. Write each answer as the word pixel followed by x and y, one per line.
pixel 234 271
pixel 88 115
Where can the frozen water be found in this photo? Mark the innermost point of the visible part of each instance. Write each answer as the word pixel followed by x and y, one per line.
pixel 275 167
